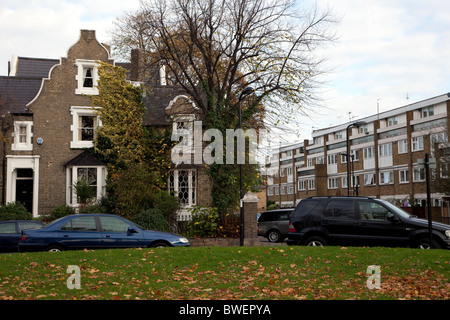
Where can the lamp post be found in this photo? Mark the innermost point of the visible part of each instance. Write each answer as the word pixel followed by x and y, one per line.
pixel 246 91
pixel 354 124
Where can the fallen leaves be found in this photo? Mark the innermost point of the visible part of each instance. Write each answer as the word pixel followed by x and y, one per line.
pixel 228 273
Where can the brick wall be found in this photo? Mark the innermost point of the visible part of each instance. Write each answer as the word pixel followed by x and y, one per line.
pixel 53 120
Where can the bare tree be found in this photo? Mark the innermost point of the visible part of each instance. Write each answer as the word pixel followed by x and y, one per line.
pixel 215 48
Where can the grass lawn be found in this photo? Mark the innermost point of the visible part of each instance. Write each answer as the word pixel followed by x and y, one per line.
pixel 227 273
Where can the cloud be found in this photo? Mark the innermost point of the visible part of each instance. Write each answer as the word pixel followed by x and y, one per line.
pixel 47 28
pixel 385 50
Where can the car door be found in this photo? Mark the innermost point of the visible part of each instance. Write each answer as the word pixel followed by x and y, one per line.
pixel 9 236
pixel 265 222
pixel 116 233
pixel 282 222
pixel 80 233
pixel 340 220
pixel 375 229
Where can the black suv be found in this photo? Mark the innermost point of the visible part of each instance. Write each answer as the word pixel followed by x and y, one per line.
pixel 274 224
pixel 361 221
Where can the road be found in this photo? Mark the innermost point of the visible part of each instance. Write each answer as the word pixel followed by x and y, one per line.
pixel 265 242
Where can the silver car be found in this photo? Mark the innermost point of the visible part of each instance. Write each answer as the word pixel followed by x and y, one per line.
pixel 274 224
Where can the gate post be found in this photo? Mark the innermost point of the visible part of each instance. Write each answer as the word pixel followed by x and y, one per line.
pixel 250 204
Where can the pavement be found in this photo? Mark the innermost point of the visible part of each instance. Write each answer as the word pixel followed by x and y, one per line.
pixel 265 242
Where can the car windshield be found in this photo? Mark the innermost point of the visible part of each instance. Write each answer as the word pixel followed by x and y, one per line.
pixel 54 221
pixel 396 209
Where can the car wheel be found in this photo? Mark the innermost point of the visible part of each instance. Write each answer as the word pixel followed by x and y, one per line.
pixel 315 241
pixel 54 248
pixel 274 236
pixel 424 243
pixel 159 244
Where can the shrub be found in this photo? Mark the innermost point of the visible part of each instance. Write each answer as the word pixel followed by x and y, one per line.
pixel 132 190
pixel 168 205
pixel 94 208
pixel 273 206
pixel 14 211
pixel 61 211
pixel 152 219
pixel 205 221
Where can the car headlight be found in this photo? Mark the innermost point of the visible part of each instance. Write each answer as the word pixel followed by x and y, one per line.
pixel 447 233
pixel 183 240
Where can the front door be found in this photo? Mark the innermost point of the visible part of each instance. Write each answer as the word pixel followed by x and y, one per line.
pixel 24 188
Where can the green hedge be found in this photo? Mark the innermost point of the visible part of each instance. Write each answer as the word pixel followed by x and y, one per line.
pixel 14 211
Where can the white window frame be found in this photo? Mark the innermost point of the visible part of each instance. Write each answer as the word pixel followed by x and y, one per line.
pixel 402 146
pixel 385 150
pixel 290 189
pixel 289 171
pixel 311 184
pixel 76 113
pixel 386 177
pixel 418 174
pixel 301 185
pixel 417 143
pixel 82 65
pixel 369 179
pixel 363 129
pixel 333 183
pixel 332 159
pixel 403 176
pixel 344 182
pixel 369 152
pixel 427 111
pixel 28 144
pixel 72 177
pixel 392 121
pixel 183 126
pixel 353 153
pixel 192 186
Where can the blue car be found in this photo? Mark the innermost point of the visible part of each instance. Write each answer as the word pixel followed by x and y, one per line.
pixel 11 232
pixel 95 231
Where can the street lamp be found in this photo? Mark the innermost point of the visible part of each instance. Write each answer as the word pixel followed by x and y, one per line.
pixel 245 92
pixel 354 124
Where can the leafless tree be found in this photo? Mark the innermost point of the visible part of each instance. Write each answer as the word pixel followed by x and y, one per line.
pixel 215 48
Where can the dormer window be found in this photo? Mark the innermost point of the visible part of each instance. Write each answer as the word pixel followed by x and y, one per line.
pixel 87 77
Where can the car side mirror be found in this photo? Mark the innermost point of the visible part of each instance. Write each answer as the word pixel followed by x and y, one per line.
pixel 392 218
pixel 131 230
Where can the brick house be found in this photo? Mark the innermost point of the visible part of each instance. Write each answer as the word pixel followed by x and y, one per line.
pixel 48 125
pixel 386 150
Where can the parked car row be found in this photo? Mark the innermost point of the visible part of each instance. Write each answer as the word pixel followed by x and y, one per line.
pixel 11 232
pixel 316 221
pixel 353 221
pixel 82 231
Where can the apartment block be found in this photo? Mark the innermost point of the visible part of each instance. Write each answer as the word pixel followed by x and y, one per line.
pixel 385 149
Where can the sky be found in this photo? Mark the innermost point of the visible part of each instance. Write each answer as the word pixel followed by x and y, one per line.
pixel 388 52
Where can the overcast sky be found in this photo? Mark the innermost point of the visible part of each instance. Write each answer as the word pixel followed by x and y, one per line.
pixel 386 51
